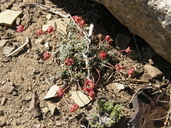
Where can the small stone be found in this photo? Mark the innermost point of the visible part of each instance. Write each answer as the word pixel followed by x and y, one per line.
pixel 52 92
pixel 7 89
pixel 153 71
pixel 7 50
pixel 37 126
pixel 15 93
pixel 80 98
pixel 45 110
pixel 3 42
pixel 45 27
pixel 40 41
pixel 52 108
pixel 1 112
pixel 62 24
pixel 7 17
pixel 48 16
pixel 119 87
pixel 3 101
pixel 2 121
pixel 52 23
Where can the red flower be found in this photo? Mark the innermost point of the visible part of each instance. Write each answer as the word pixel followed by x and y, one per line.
pixel 118 67
pixel 128 50
pixel 49 29
pixel 39 32
pixel 46 56
pixel 92 94
pixel 20 28
pixel 79 21
pixel 74 107
pixel 102 55
pixel 60 92
pixel 69 62
pixel 131 71
pixel 109 39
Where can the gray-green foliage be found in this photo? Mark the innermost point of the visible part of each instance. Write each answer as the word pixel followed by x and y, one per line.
pixel 108 114
pixel 74 45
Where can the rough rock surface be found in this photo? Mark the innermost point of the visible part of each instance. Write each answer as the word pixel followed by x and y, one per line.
pixel 150 19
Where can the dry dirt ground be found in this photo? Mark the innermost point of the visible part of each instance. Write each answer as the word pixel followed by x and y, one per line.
pixel 26 71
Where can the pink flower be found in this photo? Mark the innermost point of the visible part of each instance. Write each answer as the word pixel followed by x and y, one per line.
pixel 128 50
pixel 109 39
pixel 20 28
pixel 118 67
pixel 131 71
pixel 60 92
pixel 39 32
pixel 92 94
pixel 46 56
pixel 79 21
pixel 102 55
pixel 69 62
pixel 49 29
pixel 86 89
pixel 74 108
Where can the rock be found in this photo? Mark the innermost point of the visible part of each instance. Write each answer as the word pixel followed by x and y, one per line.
pixel 153 71
pixel 62 24
pixel 149 19
pixel 7 50
pixel 3 42
pixel 3 101
pixel 7 89
pixel 2 121
pixel 40 41
pixel 52 92
pixel 122 41
pixel 120 87
pixel 52 108
pixel 80 98
pixel 45 110
pixel 34 107
pixel 7 17
pixel 48 16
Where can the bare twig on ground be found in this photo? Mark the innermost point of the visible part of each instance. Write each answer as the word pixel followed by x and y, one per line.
pixel 19 48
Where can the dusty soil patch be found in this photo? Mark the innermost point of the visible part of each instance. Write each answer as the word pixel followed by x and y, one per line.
pixel 26 71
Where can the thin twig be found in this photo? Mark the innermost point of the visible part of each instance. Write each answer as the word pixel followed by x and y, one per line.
pixel 26 42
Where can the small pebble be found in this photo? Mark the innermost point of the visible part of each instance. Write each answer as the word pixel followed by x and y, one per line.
pixel 3 101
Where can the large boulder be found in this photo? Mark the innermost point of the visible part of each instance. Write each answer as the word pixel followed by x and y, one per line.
pixel 150 19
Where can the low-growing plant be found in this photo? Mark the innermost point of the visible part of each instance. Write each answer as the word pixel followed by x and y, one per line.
pixel 108 114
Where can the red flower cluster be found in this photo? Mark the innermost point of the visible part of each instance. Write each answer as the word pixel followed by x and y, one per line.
pixel 102 55
pixel 108 38
pixel 131 71
pixel 118 67
pixel 45 56
pixel 69 62
pixel 74 108
pixel 89 89
pixel 39 32
pixel 79 21
pixel 20 28
pixel 60 92
pixel 50 29
pixel 128 50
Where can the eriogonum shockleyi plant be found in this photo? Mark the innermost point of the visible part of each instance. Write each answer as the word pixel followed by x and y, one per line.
pixel 60 92
pixel 39 32
pixel 128 50
pixel 20 28
pixel 45 56
pixel 78 20
pixel 50 29
pixel 74 107
pixel 118 67
pixel 108 38
pixel 131 71
pixel 69 62
pixel 102 55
